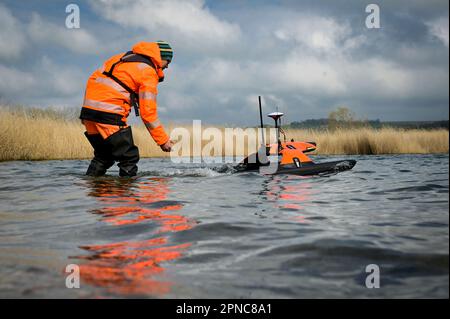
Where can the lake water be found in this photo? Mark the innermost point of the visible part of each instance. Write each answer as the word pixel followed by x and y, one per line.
pixel 204 231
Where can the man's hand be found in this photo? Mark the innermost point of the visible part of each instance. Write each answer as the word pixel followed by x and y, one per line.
pixel 167 147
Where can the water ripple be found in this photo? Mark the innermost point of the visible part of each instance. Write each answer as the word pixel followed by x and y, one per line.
pixel 205 231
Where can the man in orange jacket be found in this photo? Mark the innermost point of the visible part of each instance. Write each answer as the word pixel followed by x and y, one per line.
pixel 127 80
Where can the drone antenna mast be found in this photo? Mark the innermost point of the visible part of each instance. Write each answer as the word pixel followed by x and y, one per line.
pixel 261 120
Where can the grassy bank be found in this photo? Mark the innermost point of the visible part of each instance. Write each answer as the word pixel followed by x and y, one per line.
pixel 28 134
pixel 376 141
pixel 43 135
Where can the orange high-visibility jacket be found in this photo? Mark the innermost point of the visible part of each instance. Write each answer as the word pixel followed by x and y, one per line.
pixel 107 102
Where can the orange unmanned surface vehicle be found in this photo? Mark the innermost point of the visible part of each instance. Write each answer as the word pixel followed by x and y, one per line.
pixel 289 157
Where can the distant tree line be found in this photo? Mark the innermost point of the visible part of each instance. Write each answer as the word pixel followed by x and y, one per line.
pixel 343 118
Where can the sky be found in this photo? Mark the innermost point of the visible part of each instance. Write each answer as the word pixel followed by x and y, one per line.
pixel 305 57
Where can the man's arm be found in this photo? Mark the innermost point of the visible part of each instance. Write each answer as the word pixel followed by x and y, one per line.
pixel 148 106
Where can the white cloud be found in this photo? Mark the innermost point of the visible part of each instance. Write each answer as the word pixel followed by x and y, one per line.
pixel 309 74
pixel 12 38
pixel 314 32
pixel 9 79
pixel 439 29
pixel 46 82
pixel 306 76
pixel 288 56
pixel 188 23
pixel 76 40
pixel 62 80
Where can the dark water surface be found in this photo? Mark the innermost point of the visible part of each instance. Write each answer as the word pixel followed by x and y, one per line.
pixel 186 231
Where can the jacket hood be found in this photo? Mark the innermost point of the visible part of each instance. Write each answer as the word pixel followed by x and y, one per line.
pixel 150 49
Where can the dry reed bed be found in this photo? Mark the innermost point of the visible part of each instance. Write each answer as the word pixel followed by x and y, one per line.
pixel 376 141
pixel 43 136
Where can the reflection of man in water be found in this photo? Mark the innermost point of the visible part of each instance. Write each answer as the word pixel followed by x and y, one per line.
pixel 125 81
pixel 128 267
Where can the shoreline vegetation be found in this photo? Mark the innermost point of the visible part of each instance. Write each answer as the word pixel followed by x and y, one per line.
pixel 46 134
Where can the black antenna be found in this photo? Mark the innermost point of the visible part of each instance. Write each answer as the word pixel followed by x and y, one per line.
pixel 261 119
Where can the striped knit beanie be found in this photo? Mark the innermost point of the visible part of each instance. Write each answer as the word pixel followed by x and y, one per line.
pixel 166 50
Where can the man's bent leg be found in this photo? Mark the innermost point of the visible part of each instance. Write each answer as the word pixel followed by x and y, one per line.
pixel 103 158
pixel 124 151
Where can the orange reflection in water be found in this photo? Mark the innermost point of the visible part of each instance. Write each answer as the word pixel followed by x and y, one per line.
pixel 130 267
pixel 290 196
